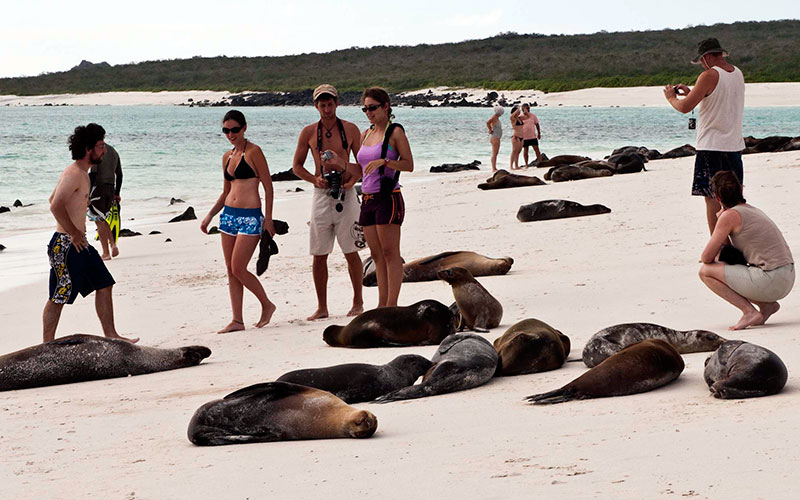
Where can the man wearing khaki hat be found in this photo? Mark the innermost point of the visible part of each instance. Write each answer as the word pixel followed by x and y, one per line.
pixel 334 212
pixel 719 91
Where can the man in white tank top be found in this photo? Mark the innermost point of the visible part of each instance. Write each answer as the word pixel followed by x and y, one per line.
pixel 719 91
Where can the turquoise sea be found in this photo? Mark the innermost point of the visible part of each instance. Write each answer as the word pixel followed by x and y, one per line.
pixel 175 151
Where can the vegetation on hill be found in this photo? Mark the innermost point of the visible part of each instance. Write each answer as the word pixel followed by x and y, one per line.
pixel 765 51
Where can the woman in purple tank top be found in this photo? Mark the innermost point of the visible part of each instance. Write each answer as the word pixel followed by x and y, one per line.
pixel 382 214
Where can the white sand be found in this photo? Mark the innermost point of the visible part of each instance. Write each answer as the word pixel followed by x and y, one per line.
pixel 126 438
pixel 757 94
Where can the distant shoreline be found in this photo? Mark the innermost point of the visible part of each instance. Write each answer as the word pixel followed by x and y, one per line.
pixel 756 95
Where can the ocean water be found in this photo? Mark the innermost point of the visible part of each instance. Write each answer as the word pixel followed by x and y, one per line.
pixel 174 151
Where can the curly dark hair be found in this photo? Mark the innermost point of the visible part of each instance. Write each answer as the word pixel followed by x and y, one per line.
pixel 83 138
pixel 727 188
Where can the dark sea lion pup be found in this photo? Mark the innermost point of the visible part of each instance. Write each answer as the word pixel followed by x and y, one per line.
pixel 463 361
pixel 425 323
pixel 478 308
pixel 358 382
pixel 531 346
pixel 739 369
pixel 641 367
pixel 558 209
pixel 613 339
pixel 78 358
pixel 278 411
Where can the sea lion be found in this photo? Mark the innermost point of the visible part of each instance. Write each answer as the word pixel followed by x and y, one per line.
pixel 511 181
pixel 458 319
pixel 577 172
pixel 531 346
pixel 792 145
pixel 80 357
pixel 557 209
pixel 629 163
pixel 641 367
pixel 426 268
pixel 479 309
pixel 456 167
pixel 562 160
pixel 679 152
pixel 358 382
pixel 739 369
pixel 425 323
pixel 613 339
pixel 462 361
pixel 278 411
pixel 595 164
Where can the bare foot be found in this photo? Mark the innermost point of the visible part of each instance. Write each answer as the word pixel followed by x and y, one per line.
pixel 754 318
pixel 266 315
pixel 132 340
pixel 233 326
pixel 105 256
pixel 318 314
pixel 356 310
pixel 768 310
pixel 114 251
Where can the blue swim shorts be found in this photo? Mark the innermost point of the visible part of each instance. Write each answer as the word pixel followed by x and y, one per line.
pixel 248 221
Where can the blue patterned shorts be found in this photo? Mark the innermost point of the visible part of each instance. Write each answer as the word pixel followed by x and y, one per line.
pixel 235 221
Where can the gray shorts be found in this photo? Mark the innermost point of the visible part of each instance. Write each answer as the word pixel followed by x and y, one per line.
pixel 327 224
pixel 755 284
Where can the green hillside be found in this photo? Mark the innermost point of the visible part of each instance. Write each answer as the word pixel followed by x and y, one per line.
pixel 765 51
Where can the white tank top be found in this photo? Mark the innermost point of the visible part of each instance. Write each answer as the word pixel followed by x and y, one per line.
pixel 719 125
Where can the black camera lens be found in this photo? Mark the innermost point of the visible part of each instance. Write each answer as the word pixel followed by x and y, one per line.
pixel 339 207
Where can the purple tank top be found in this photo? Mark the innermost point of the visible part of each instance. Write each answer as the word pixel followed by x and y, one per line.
pixel 371 183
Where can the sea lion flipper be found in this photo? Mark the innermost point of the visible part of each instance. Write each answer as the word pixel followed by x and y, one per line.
pixel 411 392
pixel 71 340
pixel 269 391
pixel 436 257
pixel 558 396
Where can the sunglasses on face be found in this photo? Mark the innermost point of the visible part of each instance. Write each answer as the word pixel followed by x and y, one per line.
pixel 234 130
pixel 373 107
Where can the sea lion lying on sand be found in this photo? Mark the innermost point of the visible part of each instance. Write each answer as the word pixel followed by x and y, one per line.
pixel 427 268
pixel 425 323
pixel 739 369
pixel 680 152
pixel 613 339
pixel 562 160
pixel 507 180
pixel 463 361
pixel 595 164
pixel 578 172
pixel 531 346
pixel 278 411
pixel 557 209
pixel 358 382
pixel 80 357
pixel 641 367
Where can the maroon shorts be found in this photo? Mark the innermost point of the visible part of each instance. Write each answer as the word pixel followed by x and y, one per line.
pixel 377 210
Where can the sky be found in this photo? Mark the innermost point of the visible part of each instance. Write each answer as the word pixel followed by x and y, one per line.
pixel 43 36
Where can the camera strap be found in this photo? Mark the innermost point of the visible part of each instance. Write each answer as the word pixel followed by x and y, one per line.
pixel 385 149
pixel 341 131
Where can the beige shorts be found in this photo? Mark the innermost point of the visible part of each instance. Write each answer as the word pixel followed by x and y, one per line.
pixel 755 284
pixel 327 224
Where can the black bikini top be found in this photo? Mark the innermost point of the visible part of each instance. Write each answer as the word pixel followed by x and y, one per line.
pixel 243 169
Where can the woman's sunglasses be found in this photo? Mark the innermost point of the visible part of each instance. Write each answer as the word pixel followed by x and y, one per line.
pixel 234 130
pixel 371 108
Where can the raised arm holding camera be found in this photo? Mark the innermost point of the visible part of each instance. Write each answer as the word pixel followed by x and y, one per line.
pixel 335 206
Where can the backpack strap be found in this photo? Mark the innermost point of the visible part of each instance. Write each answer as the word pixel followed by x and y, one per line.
pixel 385 148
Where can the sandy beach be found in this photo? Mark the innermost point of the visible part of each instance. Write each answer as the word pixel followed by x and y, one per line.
pixel 757 94
pixel 126 438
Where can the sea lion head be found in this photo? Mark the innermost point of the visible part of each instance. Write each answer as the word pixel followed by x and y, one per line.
pixel 194 354
pixel 360 424
pixel 455 275
pixel 702 341
pixel 436 313
pixel 331 336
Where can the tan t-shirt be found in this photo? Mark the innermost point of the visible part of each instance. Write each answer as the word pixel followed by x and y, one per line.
pixel 760 240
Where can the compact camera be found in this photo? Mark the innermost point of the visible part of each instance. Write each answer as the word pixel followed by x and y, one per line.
pixel 692 123
pixel 334 178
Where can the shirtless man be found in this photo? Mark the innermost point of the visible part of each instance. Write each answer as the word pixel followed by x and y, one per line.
pixel 75 266
pixel 332 218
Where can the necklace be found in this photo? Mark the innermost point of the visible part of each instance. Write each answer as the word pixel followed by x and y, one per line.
pixel 328 133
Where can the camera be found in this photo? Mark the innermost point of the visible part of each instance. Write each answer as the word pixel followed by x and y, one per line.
pixel 334 178
pixel 692 123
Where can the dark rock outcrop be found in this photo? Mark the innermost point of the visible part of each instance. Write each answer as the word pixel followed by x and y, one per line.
pixel 125 233
pixel 286 175
pixel 187 215
pixel 4 210
pixel 173 201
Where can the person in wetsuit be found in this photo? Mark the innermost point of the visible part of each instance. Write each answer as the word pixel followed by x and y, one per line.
pixel 241 222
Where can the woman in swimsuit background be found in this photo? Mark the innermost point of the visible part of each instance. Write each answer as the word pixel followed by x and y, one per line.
pixel 495 133
pixel 241 222
pixel 516 137
pixel 381 216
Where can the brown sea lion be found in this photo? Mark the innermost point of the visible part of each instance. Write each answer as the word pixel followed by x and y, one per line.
pixel 425 323
pixel 739 369
pixel 78 358
pixel 479 309
pixel 613 339
pixel 641 367
pixel 558 209
pixel 531 346
pixel 511 181
pixel 426 268
pixel 278 411
pixel 578 172
pixel 679 152
pixel 562 160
